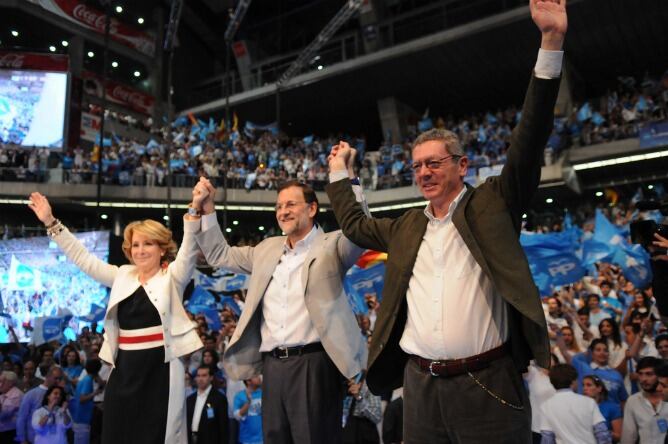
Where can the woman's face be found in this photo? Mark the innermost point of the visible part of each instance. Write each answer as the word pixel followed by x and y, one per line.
pixel 71 357
pixel 600 354
pixel 606 329
pixel 590 389
pixel 663 348
pixel 146 253
pixel 567 334
pixel 55 395
pixel 207 358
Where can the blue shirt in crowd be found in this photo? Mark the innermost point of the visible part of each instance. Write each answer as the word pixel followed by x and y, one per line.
pixel 610 412
pixel 250 426
pixel 82 412
pixel 612 379
pixel 31 401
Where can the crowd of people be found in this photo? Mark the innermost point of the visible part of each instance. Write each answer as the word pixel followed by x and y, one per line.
pixel 261 159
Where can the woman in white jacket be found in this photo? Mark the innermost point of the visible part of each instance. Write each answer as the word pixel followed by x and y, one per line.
pixel 147 330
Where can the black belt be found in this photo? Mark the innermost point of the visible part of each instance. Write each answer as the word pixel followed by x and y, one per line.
pixel 287 352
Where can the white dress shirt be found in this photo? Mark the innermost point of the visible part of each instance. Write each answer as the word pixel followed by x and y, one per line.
pixel 199 407
pixel 453 311
pixel 285 319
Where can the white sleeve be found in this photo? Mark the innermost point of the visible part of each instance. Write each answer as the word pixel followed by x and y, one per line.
pixel 548 64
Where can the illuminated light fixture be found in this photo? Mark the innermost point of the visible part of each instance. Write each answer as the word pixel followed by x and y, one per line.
pixel 119 9
pixel 599 193
pixel 549 200
pixel 235 222
pixel 524 216
pixel 320 67
pixel 104 216
pixel 650 187
pixel 91 54
pixel 620 160
pixel 140 20
pixel 15 33
pixel 114 64
pixel 65 43
pixel 52 48
pixel 261 228
pixel 137 73
pixel 165 217
pixel 228 230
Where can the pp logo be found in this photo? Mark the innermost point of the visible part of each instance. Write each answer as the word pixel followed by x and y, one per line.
pixel 562 266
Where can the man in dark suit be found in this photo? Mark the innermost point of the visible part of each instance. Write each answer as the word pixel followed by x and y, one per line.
pixel 207 411
pixel 460 316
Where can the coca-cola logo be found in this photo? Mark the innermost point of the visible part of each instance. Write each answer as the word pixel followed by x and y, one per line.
pixel 92 18
pixel 134 98
pixel 12 60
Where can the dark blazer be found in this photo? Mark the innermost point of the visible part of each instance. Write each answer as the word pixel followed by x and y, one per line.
pixel 489 220
pixel 211 430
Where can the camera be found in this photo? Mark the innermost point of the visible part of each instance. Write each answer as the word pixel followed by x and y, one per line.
pixel 642 232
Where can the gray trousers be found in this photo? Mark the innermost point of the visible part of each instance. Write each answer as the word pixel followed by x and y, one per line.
pixel 302 400
pixel 457 410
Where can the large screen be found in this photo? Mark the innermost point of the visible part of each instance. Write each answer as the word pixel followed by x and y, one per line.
pixel 37 280
pixel 32 108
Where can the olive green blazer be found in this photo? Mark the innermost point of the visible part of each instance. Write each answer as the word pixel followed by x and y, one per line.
pixel 489 220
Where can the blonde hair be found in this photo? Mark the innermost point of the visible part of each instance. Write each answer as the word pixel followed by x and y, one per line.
pixel 153 230
pixel 450 140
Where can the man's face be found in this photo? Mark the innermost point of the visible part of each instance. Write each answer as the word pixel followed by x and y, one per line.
pixel 4 386
pixel 294 215
pixel 203 378
pixel 29 370
pixel 442 183
pixel 47 357
pixel 663 384
pixel 552 306
pixel 54 378
pixel 592 303
pixel 605 290
pixel 210 344
pixel 663 348
pixel 647 380
pixel 584 318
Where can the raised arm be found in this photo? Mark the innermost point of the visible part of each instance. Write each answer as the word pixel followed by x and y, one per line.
pixel 217 251
pixel 355 223
pixel 94 267
pixel 521 175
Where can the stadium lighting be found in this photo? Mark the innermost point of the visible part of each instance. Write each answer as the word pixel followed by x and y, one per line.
pixel 599 193
pixel 15 33
pixel 52 48
pixel 228 230
pixel 524 216
pixel 261 228
pixel 235 222
pixel 137 74
pixel 140 20
pixel 114 64
pixel 104 216
pixel 650 187
pixel 320 67
pixel 165 217
pixel 119 9
pixel 65 43
pixel 549 200
pixel 91 54
pixel 620 160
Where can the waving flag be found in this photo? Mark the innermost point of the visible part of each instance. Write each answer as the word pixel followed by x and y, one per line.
pixel 360 282
pixel 23 277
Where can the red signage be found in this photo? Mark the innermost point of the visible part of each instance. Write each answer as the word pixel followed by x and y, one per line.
pixel 34 60
pixel 95 20
pixel 120 94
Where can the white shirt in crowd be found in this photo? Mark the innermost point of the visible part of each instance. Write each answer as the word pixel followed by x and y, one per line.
pixel 540 390
pixel 571 417
pixel 642 421
pixel 199 407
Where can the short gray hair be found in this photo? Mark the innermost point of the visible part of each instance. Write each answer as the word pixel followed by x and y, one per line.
pixel 450 140
pixel 9 376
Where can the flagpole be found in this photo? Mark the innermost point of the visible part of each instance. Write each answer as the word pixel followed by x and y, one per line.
pixel 105 60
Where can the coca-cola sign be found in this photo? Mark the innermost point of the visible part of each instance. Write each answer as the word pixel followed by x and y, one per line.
pixel 34 61
pixel 120 94
pixel 95 20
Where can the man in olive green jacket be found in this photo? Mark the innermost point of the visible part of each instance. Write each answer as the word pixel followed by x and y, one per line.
pixel 460 316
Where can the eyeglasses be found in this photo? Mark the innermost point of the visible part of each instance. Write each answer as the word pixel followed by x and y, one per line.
pixel 432 164
pixel 289 205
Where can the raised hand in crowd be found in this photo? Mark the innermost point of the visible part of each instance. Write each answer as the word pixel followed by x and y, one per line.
pixel 551 19
pixel 660 242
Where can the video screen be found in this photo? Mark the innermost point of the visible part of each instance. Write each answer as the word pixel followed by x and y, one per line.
pixel 32 108
pixel 37 280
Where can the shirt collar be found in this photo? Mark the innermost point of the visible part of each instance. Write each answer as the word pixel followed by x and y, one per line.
pixel 206 392
pixel 451 208
pixel 303 244
pixel 596 366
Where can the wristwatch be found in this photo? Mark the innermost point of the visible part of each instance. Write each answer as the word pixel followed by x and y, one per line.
pixel 194 212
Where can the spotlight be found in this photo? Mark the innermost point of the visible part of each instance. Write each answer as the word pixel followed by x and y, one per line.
pixel 140 20
pixel 119 9
pixel 114 64
pixel 549 200
pixel 91 54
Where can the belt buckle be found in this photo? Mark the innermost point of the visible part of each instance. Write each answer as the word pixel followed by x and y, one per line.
pixel 431 368
pixel 283 353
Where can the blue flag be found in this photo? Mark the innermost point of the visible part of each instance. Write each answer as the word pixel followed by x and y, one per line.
pixel 364 281
pixel 201 297
pixel 211 315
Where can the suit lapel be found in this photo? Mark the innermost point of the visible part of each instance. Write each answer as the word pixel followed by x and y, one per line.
pixel 318 242
pixel 460 222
